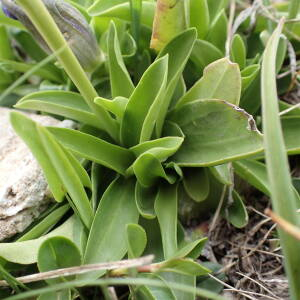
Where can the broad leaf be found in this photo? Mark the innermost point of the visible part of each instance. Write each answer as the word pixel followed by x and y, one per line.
pixel 222 173
pixel 161 148
pixel 148 169
pixel 236 212
pixel 26 252
pixel 290 128
pixel 144 199
pixel 196 183
pixel 215 132
pixel 191 250
pixel 199 17
pixel 136 240
pixel 66 104
pixel 238 51
pixel 204 53
pixel 144 104
pixel 107 238
pixel 23 125
pixel 166 210
pixel 100 151
pixel 179 50
pixel 221 80
pixel 57 253
pixel 67 174
pixel 248 75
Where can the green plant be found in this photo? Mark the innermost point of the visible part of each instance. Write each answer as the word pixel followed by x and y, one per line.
pixel 170 128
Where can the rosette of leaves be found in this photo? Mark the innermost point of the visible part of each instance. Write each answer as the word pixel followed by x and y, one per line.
pixel 176 139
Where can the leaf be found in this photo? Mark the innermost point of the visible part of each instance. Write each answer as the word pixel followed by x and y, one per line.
pixel 46 224
pixel 191 250
pixel 68 175
pixel 204 53
pixel 171 277
pixel 184 266
pixel 155 293
pixel 248 75
pixel 179 50
pixel 238 51
pixel 61 295
pixel 236 212
pixel 107 238
pixel 100 151
pixel 116 106
pixel 120 82
pixel 136 240
pixel 144 199
pixel 161 148
pixel 23 125
pixel 52 256
pixel 218 31
pixel 282 194
pixel 144 104
pixel 199 17
pixel 166 211
pixel 215 132
pixel 221 80
pixel 26 252
pixel 291 133
pixel 148 169
pixel 196 183
pixel 48 72
pixel 222 173
pixel 254 172
pixel 67 104
pixel 122 11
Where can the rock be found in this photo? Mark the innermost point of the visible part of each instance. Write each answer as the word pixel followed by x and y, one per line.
pixel 23 189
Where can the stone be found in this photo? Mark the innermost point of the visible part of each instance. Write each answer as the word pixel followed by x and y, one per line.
pixel 24 193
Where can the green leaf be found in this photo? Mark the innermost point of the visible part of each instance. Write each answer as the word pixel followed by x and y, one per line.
pixel 204 53
pixel 26 252
pixel 136 240
pixel 238 51
pixel 282 194
pixel 121 10
pixel 217 33
pixel 222 173
pixel 166 210
pixel 248 75
pixel 254 172
pixel 46 224
pixel 155 293
pixel 148 169
pixel 120 82
pixel 290 127
pixel 184 266
pixel 215 132
pixel 221 80
pixel 107 238
pixel 23 125
pixel 196 183
pixel 179 50
pixel 161 148
pixel 144 104
pixel 191 250
pixel 67 174
pixel 199 17
pixel 62 103
pixel 100 151
pixel 236 212
pixel 61 295
pixel 144 199
pixel 116 106
pixel 48 72
pixel 57 253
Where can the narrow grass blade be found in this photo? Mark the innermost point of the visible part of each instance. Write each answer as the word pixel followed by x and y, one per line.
pixel 283 197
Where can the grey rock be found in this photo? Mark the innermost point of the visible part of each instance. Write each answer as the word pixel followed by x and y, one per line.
pixel 24 193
